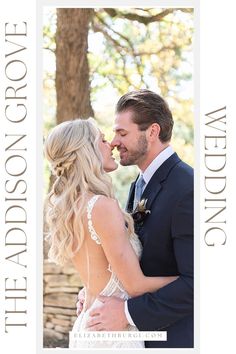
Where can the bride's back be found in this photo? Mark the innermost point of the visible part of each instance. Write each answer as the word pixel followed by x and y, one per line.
pixel 90 261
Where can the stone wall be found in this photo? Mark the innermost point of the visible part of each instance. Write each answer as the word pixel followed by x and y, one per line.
pixel 61 286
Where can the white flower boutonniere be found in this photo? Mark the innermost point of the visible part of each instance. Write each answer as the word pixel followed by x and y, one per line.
pixel 140 211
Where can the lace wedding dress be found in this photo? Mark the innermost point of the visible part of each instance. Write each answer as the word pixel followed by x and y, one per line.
pixel 112 288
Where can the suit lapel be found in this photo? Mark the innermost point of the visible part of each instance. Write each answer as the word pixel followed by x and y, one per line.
pixel 154 186
pixel 151 191
pixel 129 204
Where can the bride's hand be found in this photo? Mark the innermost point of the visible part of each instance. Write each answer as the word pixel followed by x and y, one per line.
pixel 80 301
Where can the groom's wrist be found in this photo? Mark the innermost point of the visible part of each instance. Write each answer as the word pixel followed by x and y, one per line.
pixel 127 314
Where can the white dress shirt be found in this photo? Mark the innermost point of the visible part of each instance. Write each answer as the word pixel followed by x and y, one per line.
pixel 156 163
pixel 147 175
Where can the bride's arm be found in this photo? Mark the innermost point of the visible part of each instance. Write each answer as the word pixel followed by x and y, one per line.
pixel 108 221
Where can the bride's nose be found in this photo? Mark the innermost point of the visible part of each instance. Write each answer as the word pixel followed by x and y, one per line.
pixel 110 146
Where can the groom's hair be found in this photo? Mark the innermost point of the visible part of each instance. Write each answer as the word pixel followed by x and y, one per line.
pixel 148 108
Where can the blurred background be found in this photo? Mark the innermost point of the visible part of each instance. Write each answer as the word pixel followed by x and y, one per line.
pixel 91 57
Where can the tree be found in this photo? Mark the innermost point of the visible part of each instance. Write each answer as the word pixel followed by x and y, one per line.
pixel 72 70
pixel 139 44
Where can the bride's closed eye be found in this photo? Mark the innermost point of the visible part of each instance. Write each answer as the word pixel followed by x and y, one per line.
pixel 103 139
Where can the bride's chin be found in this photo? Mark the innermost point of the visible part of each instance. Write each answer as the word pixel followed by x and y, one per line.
pixel 111 168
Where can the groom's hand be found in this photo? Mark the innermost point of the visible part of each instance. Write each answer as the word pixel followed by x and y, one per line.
pixel 110 316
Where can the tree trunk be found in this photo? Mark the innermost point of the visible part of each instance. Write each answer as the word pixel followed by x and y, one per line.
pixel 72 70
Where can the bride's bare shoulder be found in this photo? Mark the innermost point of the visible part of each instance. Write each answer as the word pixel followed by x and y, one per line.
pixel 105 208
pixel 107 218
pixel 106 203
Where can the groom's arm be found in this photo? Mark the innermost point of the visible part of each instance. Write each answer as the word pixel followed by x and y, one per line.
pixel 158 310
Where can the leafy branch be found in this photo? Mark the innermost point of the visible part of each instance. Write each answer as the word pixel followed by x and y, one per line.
pixel 144 19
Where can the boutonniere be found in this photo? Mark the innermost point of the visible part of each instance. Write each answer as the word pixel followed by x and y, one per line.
pixel 140 211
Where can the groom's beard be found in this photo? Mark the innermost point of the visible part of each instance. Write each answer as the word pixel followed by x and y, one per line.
pixel 135 155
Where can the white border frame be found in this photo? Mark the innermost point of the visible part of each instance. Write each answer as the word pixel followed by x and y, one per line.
pixel 217 69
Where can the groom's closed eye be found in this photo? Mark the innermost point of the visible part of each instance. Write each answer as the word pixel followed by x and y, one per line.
pixel 121 132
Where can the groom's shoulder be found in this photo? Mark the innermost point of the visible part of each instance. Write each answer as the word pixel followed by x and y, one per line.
pixel 175 166
pixel 183 168
pixel 182 175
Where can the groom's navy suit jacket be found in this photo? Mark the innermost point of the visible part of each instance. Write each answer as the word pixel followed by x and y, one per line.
pixel 167 238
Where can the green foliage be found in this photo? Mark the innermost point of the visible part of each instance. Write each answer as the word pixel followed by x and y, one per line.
pixel 133 55
pixel 122 179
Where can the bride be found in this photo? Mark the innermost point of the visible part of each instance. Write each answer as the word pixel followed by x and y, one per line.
pixel 87 226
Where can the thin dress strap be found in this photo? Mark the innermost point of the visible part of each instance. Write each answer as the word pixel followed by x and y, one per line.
pixel 93 234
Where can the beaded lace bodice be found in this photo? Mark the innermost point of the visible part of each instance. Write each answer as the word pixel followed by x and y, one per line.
pixel 92 232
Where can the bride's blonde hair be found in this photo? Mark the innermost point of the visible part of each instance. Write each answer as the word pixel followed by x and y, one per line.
pixel 73 152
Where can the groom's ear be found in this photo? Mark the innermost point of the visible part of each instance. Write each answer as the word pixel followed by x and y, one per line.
pixel 154 131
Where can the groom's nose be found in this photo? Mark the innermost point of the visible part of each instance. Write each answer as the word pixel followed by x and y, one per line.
pixel 115 142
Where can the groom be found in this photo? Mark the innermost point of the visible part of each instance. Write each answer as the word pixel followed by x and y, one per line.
pixel 143 129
